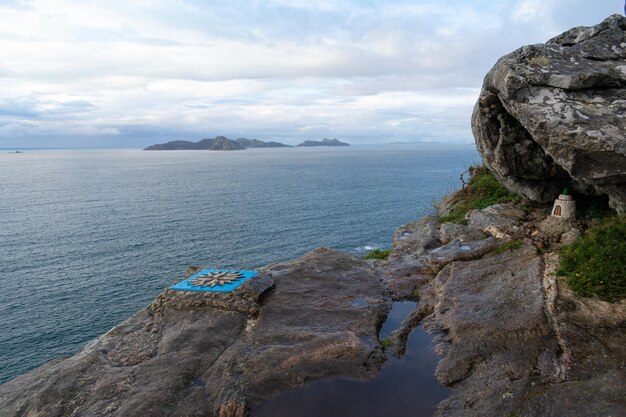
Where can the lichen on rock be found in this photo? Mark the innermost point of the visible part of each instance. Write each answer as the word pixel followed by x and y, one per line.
pixel 554 115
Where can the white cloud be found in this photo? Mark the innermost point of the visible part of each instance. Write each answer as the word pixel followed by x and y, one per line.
pixel 11 130
pixel 530 10
pixel 269 69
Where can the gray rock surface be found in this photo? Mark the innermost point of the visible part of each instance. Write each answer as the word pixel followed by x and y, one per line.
pixel 459 233
pixel 444 206
pixel 517 342
pixel 407 265
pixel 460 251
pixel 554 115
pixel 552 228
pixel 215 354
pixel 417 237
pixel 504 217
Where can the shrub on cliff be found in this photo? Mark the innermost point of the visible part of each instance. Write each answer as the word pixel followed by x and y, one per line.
pixel 378 254
pixel 482 190
pixel 595 264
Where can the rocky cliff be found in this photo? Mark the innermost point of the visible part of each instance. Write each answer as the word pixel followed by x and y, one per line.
pixel 554 115
pixel 513 338
pixel 220 354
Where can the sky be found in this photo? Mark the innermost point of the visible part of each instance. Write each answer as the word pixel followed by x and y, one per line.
pixel 112 73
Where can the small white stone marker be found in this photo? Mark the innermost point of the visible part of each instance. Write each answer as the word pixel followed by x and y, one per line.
pixel 564 206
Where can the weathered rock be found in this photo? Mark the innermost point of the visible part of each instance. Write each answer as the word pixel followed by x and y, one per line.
pixel 417 237
pixel 402 287
pixel 554 115
pixel 489 346
pixel 458 232
pixel 570 236
pixel 322 319
pixel 244 300
pixel 552 228
pixel 404 265
pixel 591 336
pixel 503 217
pixel 516 343
pixel 460 251
pixel 444 206
pixel 410 242
pixel 215 354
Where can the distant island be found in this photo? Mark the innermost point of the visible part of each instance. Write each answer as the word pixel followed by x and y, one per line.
pixel 255 143
pixel 219 143
pixel 324 142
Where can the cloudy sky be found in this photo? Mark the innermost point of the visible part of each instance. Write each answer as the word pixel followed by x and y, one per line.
pixel 129 73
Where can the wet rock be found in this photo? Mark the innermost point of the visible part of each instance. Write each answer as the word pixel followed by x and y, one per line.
pixel 489 345
pixel 202 354
pixel 553 115
pixel 517 341
pixel 309 326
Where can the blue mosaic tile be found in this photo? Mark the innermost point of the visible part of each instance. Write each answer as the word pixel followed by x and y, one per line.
pixel 215 280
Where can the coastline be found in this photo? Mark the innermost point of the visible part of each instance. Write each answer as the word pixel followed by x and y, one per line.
pixel 502 324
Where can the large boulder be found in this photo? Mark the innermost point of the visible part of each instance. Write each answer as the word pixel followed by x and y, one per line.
pixel 219 354
pixel 554 115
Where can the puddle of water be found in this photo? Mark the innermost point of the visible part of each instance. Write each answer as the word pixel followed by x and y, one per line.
pixel 403 388
pixel 359 302
pixel 399 311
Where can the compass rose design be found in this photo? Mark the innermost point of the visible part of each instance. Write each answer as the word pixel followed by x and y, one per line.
pixel 212 279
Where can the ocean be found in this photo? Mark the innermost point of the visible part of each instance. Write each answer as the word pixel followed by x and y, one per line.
pixel 88 237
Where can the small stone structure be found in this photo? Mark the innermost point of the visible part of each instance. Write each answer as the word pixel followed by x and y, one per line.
pixel 564 207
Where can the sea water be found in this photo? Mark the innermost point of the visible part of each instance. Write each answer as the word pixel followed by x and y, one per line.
pixel 88 237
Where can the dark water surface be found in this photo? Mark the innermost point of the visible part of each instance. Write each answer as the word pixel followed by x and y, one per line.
pixel 403 388
pixel 89 237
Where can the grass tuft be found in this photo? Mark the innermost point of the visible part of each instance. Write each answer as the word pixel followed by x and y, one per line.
pixel 386 342
pixel 595 264
pixel 416 293
pixel 378 254
pixel 510 245
pixel 483 190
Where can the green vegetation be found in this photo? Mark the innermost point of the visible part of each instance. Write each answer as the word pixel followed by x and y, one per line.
pixel 378 254
pixel 597 209
pixel 416 293
pixel 386 342
pixel 483 190
pixel 510 245
pixel 595 264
